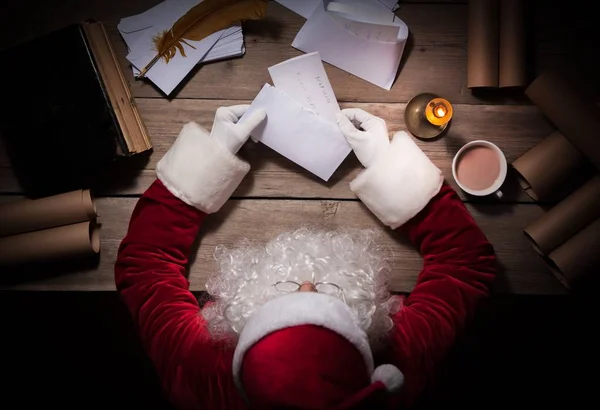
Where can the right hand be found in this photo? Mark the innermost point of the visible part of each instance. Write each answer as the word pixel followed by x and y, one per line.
pixel 369 142
pixel 399 179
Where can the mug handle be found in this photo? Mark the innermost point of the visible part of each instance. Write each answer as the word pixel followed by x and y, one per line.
pixel 499 194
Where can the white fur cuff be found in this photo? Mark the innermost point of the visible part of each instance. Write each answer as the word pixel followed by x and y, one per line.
pixel 199 170
pixel 400 184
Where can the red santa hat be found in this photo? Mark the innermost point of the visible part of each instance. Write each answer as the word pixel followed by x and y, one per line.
pixel 307 350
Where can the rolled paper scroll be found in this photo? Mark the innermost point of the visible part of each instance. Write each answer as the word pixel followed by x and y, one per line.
pixel 567 218
pixel 577 256
pixel 58 210
pixel 65 242
pixel 546 166
pixel 512 61
pixel 482 48
pixel 573 113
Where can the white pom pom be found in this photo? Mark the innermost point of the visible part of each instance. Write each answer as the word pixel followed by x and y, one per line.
pixel 389 375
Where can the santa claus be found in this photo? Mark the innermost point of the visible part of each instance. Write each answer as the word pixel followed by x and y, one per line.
pixel 304 321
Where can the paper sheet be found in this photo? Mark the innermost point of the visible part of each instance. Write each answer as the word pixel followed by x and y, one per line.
pixel 231 44
pixel 304 79
pixel 303 7
pixel 298 133
pixel 138 32
pixel 355 45
pixel 390 4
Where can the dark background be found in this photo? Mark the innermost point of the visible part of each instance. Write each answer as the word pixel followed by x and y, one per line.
pixel 80 350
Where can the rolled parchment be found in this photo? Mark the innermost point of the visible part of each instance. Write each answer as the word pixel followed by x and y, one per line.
pixel 64 242
pixel 544 167
pixel 577 256
pixel 32 215
pixel 512 61
pixel 573 113
pixel 567 218
pixel 482 47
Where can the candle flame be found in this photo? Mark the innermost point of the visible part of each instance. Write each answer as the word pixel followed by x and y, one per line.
pixel 440 111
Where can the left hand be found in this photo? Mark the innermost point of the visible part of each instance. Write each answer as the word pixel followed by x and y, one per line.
pixel 202 169
pixel 228 132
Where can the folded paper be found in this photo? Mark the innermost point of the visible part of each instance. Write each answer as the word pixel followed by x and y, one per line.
pixel 304 79
pixel 298 133
pixel 359 44
pixel 302 7
pixel 138 32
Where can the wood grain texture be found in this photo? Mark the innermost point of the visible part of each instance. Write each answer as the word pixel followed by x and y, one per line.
pixel 515 129
pixel 521 270
pixel 434 60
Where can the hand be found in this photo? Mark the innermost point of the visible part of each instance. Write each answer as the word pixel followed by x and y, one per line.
pixel 228 132
pixel 371 142
pixel 202 169
pixel 399 179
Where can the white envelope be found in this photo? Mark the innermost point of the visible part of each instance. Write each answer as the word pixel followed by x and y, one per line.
pixel 298 133
pixel 302 7
pixel 390 4
pixel 362 46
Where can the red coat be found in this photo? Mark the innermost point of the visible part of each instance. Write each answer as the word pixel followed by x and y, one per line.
pixel 196 372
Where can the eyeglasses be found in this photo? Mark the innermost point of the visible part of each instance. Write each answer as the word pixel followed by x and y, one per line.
pixel 289 286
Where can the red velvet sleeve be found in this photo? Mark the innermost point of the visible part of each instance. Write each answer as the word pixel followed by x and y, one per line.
pixel 459 267
pixel 195 371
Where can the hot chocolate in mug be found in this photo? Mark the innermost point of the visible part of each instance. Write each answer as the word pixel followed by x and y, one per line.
pixel 479 168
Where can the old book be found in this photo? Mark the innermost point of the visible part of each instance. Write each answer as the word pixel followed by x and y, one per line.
pixel 69 112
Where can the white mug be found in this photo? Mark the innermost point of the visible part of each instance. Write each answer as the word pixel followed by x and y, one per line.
pixel 495 187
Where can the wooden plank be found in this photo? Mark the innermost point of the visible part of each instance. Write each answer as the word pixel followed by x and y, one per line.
pixel 515 129
pixel 260 220
pixel 434 60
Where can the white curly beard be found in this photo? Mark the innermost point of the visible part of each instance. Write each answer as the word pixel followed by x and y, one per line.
pixel 351 259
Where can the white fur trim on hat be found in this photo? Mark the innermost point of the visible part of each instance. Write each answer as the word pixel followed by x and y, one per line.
pixel 301 308
pixel 199 170
pixel 390 376
pixel 400 183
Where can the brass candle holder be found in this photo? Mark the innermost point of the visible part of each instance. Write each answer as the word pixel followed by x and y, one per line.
pixel 427 115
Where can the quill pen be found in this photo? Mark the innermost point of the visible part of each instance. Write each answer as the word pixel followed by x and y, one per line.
pixel 201 21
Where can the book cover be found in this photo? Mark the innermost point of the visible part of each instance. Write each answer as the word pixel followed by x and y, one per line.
pixel 58 125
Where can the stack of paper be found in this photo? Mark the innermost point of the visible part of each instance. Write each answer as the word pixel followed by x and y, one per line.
pixel 301 110
pixel 138 32
pixel 362 37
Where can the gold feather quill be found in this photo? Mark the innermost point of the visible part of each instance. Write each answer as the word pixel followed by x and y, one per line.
pixel 201 21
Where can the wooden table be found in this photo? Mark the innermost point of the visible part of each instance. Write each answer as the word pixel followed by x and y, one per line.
pixel 278 195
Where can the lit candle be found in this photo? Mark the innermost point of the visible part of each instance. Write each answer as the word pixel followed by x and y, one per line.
pixel 438 111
